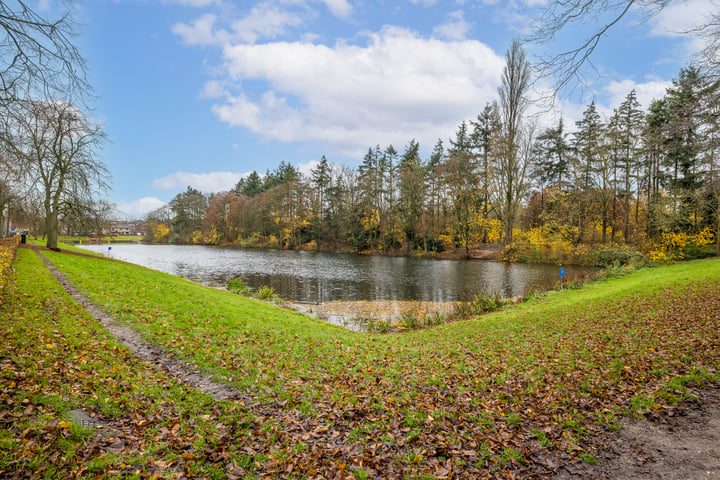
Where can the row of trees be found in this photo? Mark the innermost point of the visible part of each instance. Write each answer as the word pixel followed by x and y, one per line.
pixel 633 176
pixel 637 174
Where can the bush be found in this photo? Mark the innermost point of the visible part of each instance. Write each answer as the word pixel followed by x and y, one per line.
pixel 609 255
pixel 410 321
pixel 7 253
pixel 266 292
pixel 691 251
pixel 487 302
pixel 482 303
pixel 236 285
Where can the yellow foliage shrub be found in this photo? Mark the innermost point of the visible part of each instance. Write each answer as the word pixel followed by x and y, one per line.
pixel 705 238
pixel 160 232
pixel 7 253
pixel 674 246
pixel 212 237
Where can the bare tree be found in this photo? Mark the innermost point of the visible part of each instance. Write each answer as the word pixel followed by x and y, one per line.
pixel 37 56
pixel 511 166
pixel 56 144
pixel 567 67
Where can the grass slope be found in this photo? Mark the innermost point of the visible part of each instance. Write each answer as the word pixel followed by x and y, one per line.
pixel 512 392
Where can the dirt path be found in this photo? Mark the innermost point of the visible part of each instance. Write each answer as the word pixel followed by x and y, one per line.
pixel 684 446
pixel 146 351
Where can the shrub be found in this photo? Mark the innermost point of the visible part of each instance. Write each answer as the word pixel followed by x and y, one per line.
pixel 236 285
pixel 435 318
pixel 383 326
pixel 487 302
pixel 609 255
pixel 410 320
pixel 482 303
pixel 692 251
pixel 7 253
pixel 266 292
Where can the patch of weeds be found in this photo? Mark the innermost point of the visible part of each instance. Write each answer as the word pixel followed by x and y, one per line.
pixel 237 286
pixel 529 294
pixel 609 420
pixel 410 321
pixel 370 323
pixel 575 426
pixel 434 318
pixel 436 382
pixel 384 326
pixel 642 403
pixel 418 476
pixel 513 419
pixel 588 458
pixel 482 303
pixel 360 474
pixel 412 458
pixel 510 454
pixel 412 434
pixel 306 407
pixel 358 434
pixel 266 292
pixel 413 418
pixel 483 453
pixel 487 302
pixel 542 438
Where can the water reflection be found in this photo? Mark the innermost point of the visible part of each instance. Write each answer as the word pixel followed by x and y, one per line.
pixel 322 277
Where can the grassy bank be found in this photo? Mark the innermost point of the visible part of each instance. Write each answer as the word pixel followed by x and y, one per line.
pixel 515 391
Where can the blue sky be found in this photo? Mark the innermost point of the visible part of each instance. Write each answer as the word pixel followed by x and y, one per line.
pixel 201 92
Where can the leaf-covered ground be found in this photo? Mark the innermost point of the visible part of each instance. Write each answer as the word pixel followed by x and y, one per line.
pixel 511 394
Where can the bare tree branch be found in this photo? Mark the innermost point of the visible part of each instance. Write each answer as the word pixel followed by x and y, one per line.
pixel 38 57
pixel 567 68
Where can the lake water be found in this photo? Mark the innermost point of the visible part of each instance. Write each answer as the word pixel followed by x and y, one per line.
pixel 323 277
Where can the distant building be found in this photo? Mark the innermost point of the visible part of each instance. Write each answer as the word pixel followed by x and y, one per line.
pixel 127 228
pixel 140 228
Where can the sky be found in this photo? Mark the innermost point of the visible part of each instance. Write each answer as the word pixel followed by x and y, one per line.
pixel 202 92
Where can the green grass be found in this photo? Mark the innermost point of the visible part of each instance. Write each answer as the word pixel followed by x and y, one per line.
pixel 84 239
pixel 555 370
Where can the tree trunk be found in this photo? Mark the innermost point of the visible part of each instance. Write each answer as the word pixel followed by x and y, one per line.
pixel 51 225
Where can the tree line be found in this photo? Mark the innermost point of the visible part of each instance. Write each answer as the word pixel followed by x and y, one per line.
pixel 634 176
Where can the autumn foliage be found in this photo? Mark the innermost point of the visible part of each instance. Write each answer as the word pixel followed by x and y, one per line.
pixel 7 253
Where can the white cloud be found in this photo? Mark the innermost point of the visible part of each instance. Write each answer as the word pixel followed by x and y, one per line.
pixel 264 20
pixel 193 3
pixel 455 26
pixel 306 168
pixel 205 182
pixel 200 32
pixel 214 89
pixel 339 8
pixel 427 3
pixel 646 91
pixel 680 17
pixel 397 87
pixel 139 208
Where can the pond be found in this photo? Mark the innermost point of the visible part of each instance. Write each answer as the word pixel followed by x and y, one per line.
pixel 316 277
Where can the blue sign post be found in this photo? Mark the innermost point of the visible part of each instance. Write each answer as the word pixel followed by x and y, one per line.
pixel 562 274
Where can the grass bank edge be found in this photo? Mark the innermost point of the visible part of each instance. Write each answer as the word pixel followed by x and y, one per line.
pixel 641 282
